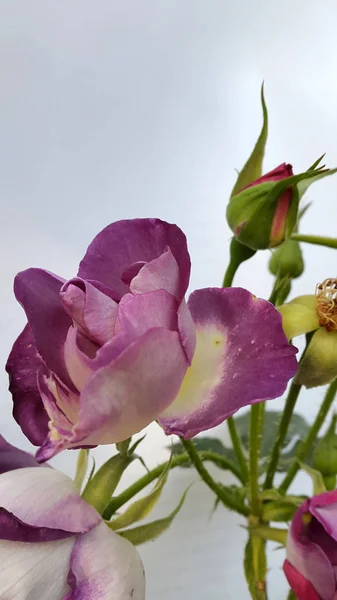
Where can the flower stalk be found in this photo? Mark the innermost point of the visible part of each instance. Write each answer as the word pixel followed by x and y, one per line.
pixel 311 437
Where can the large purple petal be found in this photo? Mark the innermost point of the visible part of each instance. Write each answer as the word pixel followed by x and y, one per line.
pixel 105 566
pixel 46 498
pixel 38 292
pixel 124 243
pixel 129 393
pixel 242 357
pixel 35 571
pixel 13 458
pixel 93 311
pixel 23 364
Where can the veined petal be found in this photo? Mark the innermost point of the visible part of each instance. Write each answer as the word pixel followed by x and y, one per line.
pixel 303 589
pixel 34 571
pixel 161 273
pixel 46 498
pixel 91 309
pixel 319 364
pixel 242 356
pixel 128 394
pixel 13 458
pixel 38 293
pixel 23 364
pixel 299 316
pixel 123 243
pixel 105 566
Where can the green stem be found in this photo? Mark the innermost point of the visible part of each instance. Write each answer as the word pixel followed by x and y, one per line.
pixel 315 239
pixel 274 293
pixel 256 423
pixel 219 491
pixel 293 394
pixel 237 446
pixel 238 254
pixel 311 436
pixel 176 461
pixel 229 275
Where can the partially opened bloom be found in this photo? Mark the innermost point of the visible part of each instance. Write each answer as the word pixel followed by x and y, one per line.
pixel 318 314
pixel 311 563
pixel 55 546
pixel 109 351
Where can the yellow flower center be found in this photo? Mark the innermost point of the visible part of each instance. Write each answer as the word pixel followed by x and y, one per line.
pixel 326 304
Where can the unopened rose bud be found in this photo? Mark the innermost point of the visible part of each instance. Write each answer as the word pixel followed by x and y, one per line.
pixel 259 214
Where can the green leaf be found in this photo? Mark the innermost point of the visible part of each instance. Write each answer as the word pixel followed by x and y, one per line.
pixel 317 478
pixel 252 170
pixel 204 444
pixel 297 429
pixel 81 468
pixel 139 509
pixel 102 485
pixel 150 531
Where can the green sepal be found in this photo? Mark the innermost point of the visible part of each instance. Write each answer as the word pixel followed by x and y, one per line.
pixel 279 511
pixel 139 509
pixel 101 486
pixel 123 447
pixel 252 170
pixel 316 477
pixel 81 468
pixel 150 531
pixel 272 534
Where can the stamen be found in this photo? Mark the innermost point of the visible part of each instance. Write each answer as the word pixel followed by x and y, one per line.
pixel 326 304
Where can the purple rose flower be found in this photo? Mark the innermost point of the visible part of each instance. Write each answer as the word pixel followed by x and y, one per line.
pixel 311 564
pixel 53 545
pixel 108 352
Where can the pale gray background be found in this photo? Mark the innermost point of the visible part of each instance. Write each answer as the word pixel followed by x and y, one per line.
pixel 145 108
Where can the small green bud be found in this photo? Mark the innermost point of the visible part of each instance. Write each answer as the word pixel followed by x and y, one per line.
pixel 287 260
pixel 325 453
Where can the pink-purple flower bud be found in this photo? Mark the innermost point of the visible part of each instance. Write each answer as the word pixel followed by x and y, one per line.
pixel 259 214
pixel 311 562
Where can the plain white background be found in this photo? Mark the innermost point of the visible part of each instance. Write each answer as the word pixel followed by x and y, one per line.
pixel 121 109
